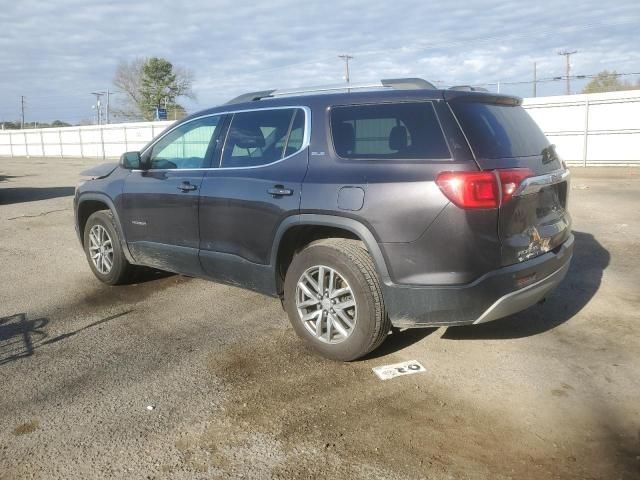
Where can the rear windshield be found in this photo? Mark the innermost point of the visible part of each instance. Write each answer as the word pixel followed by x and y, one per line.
pixel 388 131
pixel 499 131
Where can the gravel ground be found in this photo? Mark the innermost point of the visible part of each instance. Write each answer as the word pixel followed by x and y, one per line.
pixel 181 378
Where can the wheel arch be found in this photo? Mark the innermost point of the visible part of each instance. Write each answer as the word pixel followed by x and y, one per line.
pixel 299 230
pixel 89 203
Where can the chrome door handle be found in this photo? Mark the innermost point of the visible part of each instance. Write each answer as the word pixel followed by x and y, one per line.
pixel 187 187
pixel 279 191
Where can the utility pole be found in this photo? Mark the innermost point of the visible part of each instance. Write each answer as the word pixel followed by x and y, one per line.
pixel 98 105
pixel 535 79
pixel 108 98
pixel 567 55
pixel 346 59
pixel 22 109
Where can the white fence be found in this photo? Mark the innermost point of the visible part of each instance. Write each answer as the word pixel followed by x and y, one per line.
pixel 601 128
pixel 598 128
pixel 105 141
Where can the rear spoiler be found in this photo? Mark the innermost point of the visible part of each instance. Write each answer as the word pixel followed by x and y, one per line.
pixel 481 97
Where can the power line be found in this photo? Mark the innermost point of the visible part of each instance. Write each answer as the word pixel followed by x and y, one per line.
pixel 551 79
pixel 64 109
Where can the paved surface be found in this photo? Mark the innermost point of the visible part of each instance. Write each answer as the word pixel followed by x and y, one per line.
pixel 553 392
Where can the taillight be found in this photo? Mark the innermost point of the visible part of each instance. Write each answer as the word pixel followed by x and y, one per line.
pixel 470 189
pixel 487 189
pixel 510 180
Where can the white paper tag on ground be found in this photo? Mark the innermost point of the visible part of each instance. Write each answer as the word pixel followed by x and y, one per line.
pixel 404 368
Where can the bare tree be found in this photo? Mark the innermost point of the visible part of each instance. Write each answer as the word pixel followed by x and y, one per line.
pixel 128 78
pixel 184 82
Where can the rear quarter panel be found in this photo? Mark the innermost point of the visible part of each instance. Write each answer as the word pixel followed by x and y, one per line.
pixel 423 238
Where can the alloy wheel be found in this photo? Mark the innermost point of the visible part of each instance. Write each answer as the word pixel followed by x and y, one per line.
pixel 101 249
pixel 326 304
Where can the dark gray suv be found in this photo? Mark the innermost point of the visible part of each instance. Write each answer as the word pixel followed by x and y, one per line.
pixel 398 205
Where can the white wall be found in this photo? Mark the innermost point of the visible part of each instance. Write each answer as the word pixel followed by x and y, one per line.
pixel 599 128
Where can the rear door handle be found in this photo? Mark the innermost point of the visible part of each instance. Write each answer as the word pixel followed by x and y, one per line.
pixel 187 187
pixel 279 191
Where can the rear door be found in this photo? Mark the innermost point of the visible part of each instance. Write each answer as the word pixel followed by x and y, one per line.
pixel 160 204
pixel 256 185
pixel 503 136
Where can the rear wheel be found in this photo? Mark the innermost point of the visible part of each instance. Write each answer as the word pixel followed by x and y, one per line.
pixel 104 250
pixel 333 298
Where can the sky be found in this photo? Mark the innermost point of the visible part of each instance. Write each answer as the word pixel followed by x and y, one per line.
pixel 56 53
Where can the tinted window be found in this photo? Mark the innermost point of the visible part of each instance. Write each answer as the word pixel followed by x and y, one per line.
pixel 296 137
pixel 186 146
pixel 398 130
pixel 262 137
pixel 499 131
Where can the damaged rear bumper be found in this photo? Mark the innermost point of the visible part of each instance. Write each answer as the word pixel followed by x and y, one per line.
pixel 495 295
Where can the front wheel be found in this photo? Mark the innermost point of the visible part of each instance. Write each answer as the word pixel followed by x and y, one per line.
pixel 104 250
pixel 334 301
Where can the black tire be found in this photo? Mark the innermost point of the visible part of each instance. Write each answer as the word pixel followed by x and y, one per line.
pixel 121 270
pixel 352 262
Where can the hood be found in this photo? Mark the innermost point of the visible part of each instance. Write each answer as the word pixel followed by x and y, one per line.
pixel 100 171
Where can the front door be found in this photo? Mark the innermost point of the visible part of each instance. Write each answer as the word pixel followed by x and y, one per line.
pixel 160 204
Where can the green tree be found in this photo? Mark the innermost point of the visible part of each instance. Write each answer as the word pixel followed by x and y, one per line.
pixel 150 83
pixel 60 123
pixel 606 81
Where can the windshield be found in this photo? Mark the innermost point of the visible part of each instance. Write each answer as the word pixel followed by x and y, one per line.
pixel 499 131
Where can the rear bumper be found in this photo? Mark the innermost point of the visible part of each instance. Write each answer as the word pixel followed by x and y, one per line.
pixel 495 295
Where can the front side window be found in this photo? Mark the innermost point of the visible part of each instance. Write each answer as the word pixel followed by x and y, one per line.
pixel 388 131
pixel 188 146
pixel 261 137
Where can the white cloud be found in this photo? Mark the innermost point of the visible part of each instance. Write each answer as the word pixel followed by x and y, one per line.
pixel 55 53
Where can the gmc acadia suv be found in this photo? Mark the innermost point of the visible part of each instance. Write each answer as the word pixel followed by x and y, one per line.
pixel 361 208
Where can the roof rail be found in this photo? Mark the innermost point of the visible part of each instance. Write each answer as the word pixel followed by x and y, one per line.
pixel 251 96
pixel 468 88
pixel 408 84
pixel 394 83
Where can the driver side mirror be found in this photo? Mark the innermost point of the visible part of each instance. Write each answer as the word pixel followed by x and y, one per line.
pixel 131 161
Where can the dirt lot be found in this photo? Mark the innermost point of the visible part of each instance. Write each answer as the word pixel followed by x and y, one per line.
pixel 553 392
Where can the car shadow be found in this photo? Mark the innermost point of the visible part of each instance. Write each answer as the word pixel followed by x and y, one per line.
pixel 147 274
pixel 399 340
pixel 12 195
pixel 583 280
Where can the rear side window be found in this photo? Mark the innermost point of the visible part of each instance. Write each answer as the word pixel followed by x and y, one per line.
pixel 388 131
pixel 499 131
pixel 263 136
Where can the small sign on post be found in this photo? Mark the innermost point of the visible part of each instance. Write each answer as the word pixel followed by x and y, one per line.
pixel 161 113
